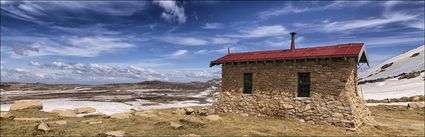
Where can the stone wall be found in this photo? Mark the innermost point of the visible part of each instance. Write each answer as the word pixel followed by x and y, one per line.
pixel 333 96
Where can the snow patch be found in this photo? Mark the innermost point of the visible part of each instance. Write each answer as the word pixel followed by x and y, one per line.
pixel 104 107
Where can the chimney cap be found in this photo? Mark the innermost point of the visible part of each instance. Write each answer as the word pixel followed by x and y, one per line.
pixel 292 33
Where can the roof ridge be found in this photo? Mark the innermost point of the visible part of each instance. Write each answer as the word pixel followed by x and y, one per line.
pixel 316 47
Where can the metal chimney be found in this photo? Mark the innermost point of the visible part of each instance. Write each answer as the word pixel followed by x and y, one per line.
pixel 292 40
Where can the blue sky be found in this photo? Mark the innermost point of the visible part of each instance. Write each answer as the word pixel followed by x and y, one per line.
pixel 95 42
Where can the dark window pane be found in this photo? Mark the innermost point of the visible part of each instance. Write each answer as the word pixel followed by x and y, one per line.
pixel 247 82
pixel 304 84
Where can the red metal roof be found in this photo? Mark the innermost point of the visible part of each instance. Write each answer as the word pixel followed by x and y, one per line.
pixel 335 51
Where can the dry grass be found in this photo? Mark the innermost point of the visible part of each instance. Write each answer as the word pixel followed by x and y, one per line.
pixel 396 122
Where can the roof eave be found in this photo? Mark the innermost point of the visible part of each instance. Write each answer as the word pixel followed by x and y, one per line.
pixel 362 57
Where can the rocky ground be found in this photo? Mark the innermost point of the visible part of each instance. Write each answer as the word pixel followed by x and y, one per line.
pixel 27 120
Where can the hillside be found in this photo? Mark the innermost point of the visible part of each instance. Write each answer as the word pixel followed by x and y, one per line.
pixel 400 76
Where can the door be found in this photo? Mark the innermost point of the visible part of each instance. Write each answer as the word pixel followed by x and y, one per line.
pixel 304 84
pixel 247 83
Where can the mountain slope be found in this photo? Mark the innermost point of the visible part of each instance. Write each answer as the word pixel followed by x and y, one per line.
pixel 397 77
pixel 403 63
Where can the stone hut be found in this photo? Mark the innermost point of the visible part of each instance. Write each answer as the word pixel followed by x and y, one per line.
pixel 316 85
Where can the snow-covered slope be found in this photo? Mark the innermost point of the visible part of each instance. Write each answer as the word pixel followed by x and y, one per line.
pixel 402 63
pixel 384 79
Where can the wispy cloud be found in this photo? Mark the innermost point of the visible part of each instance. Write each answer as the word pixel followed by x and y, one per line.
pixel 289 8
pixel 189 41
pixel 260 31
pixel 389 16
pixel 172 12
pixel 72 46
pixel 366 23
pixel 178 53
pixel 197 41
pixel 357 24
pixel 37 11
pixel 212 25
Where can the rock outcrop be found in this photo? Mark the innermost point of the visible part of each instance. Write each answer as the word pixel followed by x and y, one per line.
pixel 64 112
pixel 84 110
pixel 175 125
pixel 123 115
pixel 415 105
pixel 21 105
pixel 43 127
pixel 6 115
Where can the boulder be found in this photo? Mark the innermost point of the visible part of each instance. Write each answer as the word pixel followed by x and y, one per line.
pixel 179 111
pixel 6 115
pixel 43 127
pixel 31 119
pixel 415 105
pixel 175 125
pixel 189 111
pixel 118 133
pixel 123 115
pixel 59 122
pixel 21 105
pixel 145 115
pixel 417 98
pixel 96 114
pixel 64 112
pixel 213 117
pixel 244 114
pixel 84 110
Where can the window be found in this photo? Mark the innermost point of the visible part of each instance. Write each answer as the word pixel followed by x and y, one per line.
pixel 304 84
pixel 247 83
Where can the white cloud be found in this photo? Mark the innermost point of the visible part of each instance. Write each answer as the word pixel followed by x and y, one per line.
pixel 189 41
pixel 172 12
pixel 203 74
pixel 112 73
pixel 212 25
pixel 410 18
pixel 36 11
pixel 91 46
pixel 417 24
pixel 40 75
pixel 195 41
pixel 178 53
pixel 280 11
pixel 35 63
pixel 358 24
pixel 261 31
pixel 22 70
pixel 221 40
pixel 365 23
pixel 289 8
